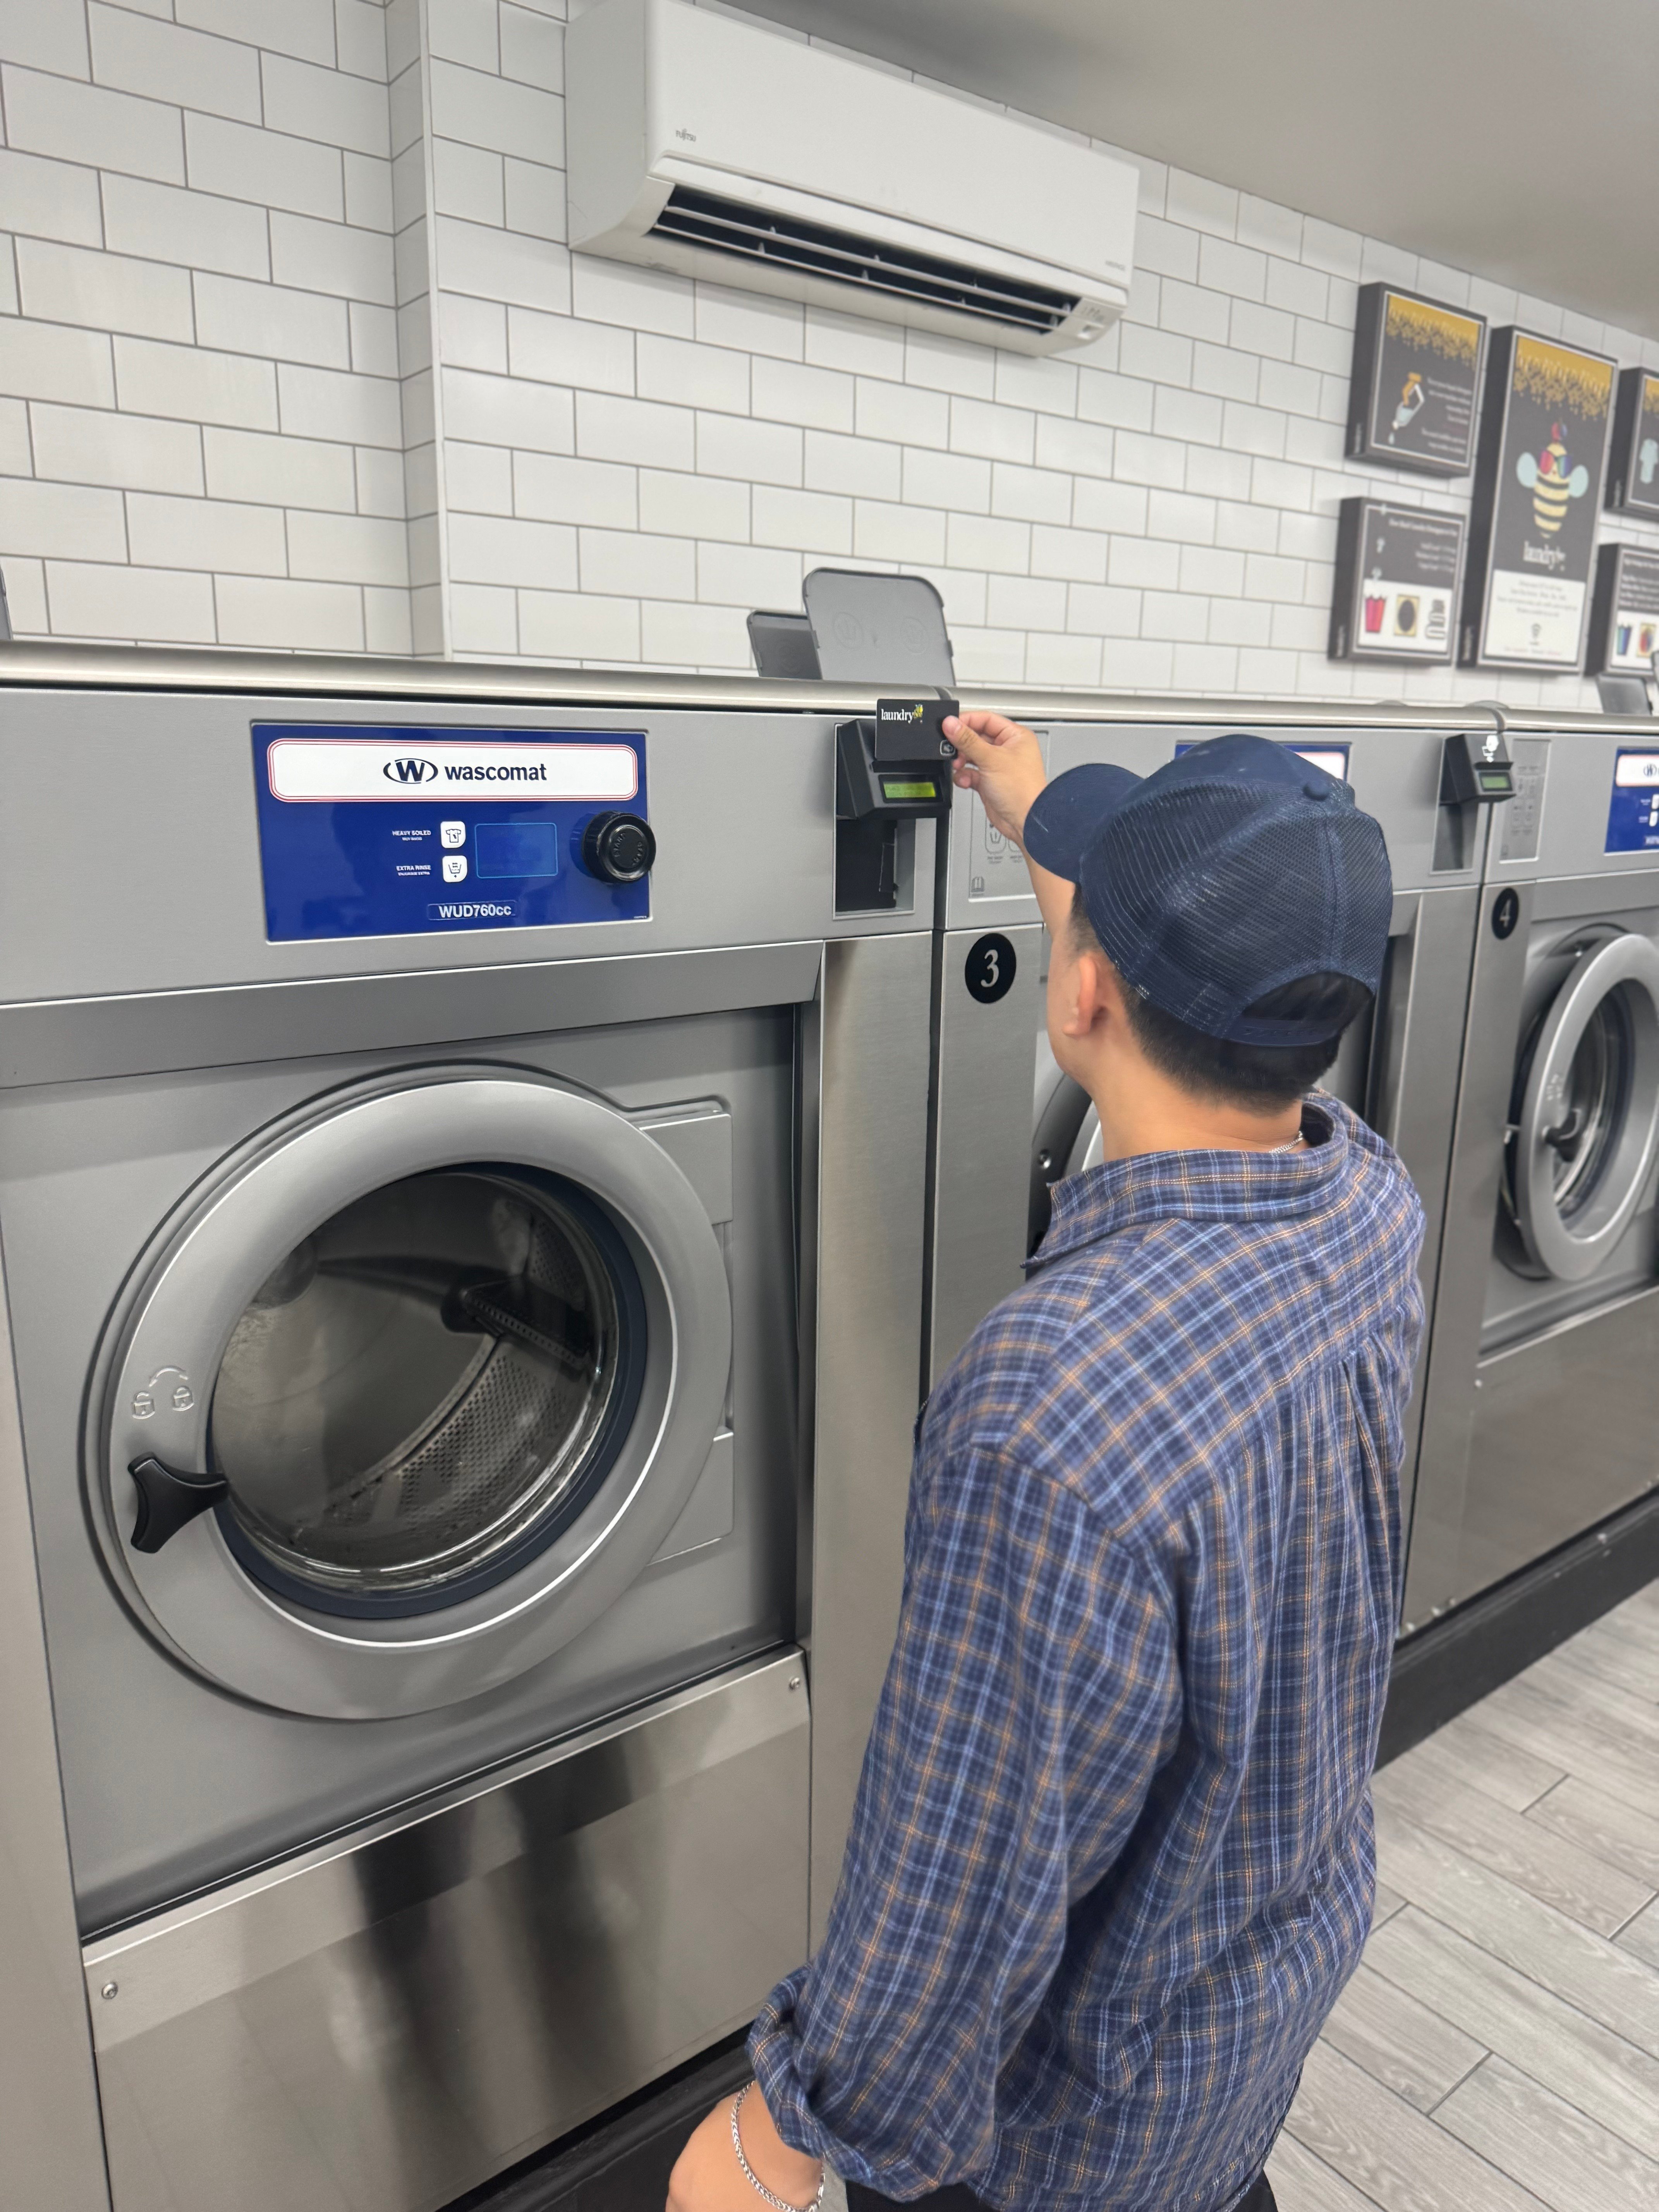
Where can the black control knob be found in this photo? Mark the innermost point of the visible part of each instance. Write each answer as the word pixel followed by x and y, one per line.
pixel 618 848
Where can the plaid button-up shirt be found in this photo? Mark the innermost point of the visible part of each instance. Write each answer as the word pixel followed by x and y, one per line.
pixel 1111 1860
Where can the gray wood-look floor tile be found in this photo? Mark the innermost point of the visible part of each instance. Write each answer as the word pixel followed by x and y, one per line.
pixel 1624 1652
pixel 1531 2027
pixel 1614 1831
pixel 1500 2044
pixel 1398 2042
pixel 1303 2183
pixel 1534 1717
pixel 1611 1705
pixel 1385 1904
pixel 1389 2151
pixel 1546 1865
pixel 1565 2158
pixel 1642 1937
pixel 1464 1752
pixel 1588 1971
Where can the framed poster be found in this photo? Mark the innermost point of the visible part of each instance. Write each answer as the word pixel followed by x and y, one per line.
pixel 1537 487
pixel 1396 583
pixel 1416 381
pixel 1624 613
pixel 1633 465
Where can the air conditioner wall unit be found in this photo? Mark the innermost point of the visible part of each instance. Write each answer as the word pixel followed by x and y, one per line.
pixel 702 145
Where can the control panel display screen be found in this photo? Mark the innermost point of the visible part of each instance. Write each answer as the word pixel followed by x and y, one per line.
pixel 1333 759
pixel 1634 814
pixel 367 831
pixel 892 788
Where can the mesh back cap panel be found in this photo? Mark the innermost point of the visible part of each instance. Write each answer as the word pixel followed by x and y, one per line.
pixel 1233 870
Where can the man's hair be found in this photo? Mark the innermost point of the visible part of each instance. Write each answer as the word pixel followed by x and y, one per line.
pixel 1260 1077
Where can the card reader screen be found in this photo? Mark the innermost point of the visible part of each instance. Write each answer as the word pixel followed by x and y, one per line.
pixel 892 788
pixel 1495 780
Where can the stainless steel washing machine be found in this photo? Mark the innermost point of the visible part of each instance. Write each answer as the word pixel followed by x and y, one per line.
pixel 1541 1400
pixel 461 1193
pixel 1399 1069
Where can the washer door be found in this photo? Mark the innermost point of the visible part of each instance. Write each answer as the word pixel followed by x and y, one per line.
pixel 410 1392
pixel 1585 1137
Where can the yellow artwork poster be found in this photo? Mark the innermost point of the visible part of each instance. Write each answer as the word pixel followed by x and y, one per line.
pixel 1538 490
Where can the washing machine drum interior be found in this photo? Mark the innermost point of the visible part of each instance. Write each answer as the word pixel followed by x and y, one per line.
pixel 1584 1120
pixel 424 1387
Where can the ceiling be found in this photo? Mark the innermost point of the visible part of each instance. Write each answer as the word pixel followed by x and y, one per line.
pixel 1515 138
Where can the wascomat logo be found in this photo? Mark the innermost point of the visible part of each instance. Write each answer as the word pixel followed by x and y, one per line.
pixel 332 771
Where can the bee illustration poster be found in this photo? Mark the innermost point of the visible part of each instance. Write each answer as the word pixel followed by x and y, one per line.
pixel 1625 616
pixel 1537 489
pixel 1416 381
pixel 1633 471
pixel 1396 583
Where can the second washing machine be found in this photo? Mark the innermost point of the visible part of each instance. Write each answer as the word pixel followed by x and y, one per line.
pixel 1542 1400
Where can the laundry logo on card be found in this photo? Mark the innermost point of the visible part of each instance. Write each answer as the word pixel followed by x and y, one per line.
pixel 410 771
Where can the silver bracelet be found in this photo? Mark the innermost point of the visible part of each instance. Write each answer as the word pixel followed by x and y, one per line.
pixel 778 2204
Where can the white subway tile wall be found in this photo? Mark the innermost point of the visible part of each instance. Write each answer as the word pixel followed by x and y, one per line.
pixel 292 353
pixel 198 355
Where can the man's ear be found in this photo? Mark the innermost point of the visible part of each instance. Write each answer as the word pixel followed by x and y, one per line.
pixel 1099 995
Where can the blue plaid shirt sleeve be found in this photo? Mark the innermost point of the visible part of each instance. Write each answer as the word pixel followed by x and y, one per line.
pixel 1033 1692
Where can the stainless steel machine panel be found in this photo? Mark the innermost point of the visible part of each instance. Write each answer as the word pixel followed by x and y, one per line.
pixel 51 2150
pixel 1539 1404
pixel 595 1863
pixel 373 2027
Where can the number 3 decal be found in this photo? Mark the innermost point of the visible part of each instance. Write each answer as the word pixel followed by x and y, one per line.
pixel 990 969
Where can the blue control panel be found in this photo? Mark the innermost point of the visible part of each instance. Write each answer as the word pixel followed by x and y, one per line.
pixel 1634 814
pixel 395 832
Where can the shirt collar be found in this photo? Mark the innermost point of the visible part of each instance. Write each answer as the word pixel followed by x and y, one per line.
pixel 1201 1186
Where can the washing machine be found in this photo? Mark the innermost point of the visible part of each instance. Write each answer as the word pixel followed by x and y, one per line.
pixel 462 1214
pixel 1399 1068
pixel 1541 1400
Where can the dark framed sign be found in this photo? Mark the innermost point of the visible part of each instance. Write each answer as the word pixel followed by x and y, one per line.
pixel 1633 462
pixel 1544 427
pixel 1397 572
pixel 1624 612
pixel 1416 382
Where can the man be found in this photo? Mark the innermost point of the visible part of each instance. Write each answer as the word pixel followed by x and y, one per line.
pixel 1111 1859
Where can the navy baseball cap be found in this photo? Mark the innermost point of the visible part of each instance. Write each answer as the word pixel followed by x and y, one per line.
pixel 1234 868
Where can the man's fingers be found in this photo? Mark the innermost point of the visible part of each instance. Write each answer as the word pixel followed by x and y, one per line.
pixel 979 737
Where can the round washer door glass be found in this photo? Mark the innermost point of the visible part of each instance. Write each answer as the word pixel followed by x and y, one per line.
pixel 1588 1126
pixel 407 1391
pixel 425 1386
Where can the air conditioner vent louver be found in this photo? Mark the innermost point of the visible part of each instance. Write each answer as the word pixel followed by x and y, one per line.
pixel 748 234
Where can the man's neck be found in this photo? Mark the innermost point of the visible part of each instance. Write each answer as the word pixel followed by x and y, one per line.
pixel 1163 1118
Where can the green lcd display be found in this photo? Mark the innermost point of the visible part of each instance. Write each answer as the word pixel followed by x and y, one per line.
pixel 1494 779
pixel 891 789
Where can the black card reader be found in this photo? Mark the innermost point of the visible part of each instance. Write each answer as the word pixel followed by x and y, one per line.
pixel 891 768
pixel 894 769
pixel 1475 770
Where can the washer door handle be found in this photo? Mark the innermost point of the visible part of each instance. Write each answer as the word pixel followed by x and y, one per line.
pixel 1566 1139
pixel 167 1500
